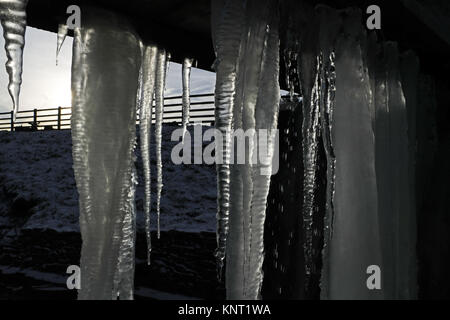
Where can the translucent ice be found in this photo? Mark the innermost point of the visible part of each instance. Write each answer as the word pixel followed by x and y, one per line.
pixel 145 122
pixel 355 207
pixel 160 80
pixel 186 75
pixel 103 134
pixel 13 17
pixel 227 25
pixel 62 34
pixel 247 97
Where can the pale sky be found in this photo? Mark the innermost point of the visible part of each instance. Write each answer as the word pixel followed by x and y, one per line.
pixel 46 85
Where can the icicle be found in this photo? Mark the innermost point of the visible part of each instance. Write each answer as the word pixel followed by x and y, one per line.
pixel 311 125
pixel 330 24
pixel 62 34
pixel 103 135
pixel 186 74
pixel 161 69
pixel 355 197
pixel 247 46
pixel 327 128
pixel 227 25
pixel 309 64
pixel 148 89
pixel 13 18
pixel 266 118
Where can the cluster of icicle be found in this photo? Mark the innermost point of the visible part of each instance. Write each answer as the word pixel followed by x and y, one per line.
pixel 104 137
pixel 245 36
pixel 13 17
pixel 355 101
pixel 358 98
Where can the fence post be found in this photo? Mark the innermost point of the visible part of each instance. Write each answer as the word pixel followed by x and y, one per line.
pixel 12 121
pixel 59 118
pixel 35 119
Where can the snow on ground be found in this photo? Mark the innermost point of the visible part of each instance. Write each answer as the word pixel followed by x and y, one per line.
pixel 37 186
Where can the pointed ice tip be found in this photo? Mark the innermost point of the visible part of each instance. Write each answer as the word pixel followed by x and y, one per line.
pixel 184 134
pixel 61 37
pixel 219 270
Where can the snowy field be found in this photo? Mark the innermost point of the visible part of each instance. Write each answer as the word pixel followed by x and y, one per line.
pixel 39 231
pixel 36 176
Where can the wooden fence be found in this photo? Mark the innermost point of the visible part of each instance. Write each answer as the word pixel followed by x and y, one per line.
pixel 202 110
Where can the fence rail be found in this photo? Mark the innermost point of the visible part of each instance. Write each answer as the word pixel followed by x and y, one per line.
pixel 202 110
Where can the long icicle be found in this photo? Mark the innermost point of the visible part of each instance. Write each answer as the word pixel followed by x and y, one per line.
pixel 251 72
pixel 254 68
pixel 227 25
pixel 355 208
pixel 13 17
pixel 266 120
pixel 186 75
pixel 161 69
pixel 330 24
pixel 311 127
pixel 103 136
pixel 61 37
pixel 148 90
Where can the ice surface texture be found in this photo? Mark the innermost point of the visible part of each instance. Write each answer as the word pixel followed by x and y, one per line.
pixel 359 103
pixel 13 17
pixel 160 80
pixel 247 97
pixel 354 101
pixel 145 124
pixel 105 70
pixel 186 76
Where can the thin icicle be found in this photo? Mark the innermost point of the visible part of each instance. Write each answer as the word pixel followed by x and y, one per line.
pixel 161 69
pixel 186 74
pixel 13 18
pixel 227 26
pixel 62 34
pixel 330 24
pixel 312 129
pixel 148 89
pixel 308 66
